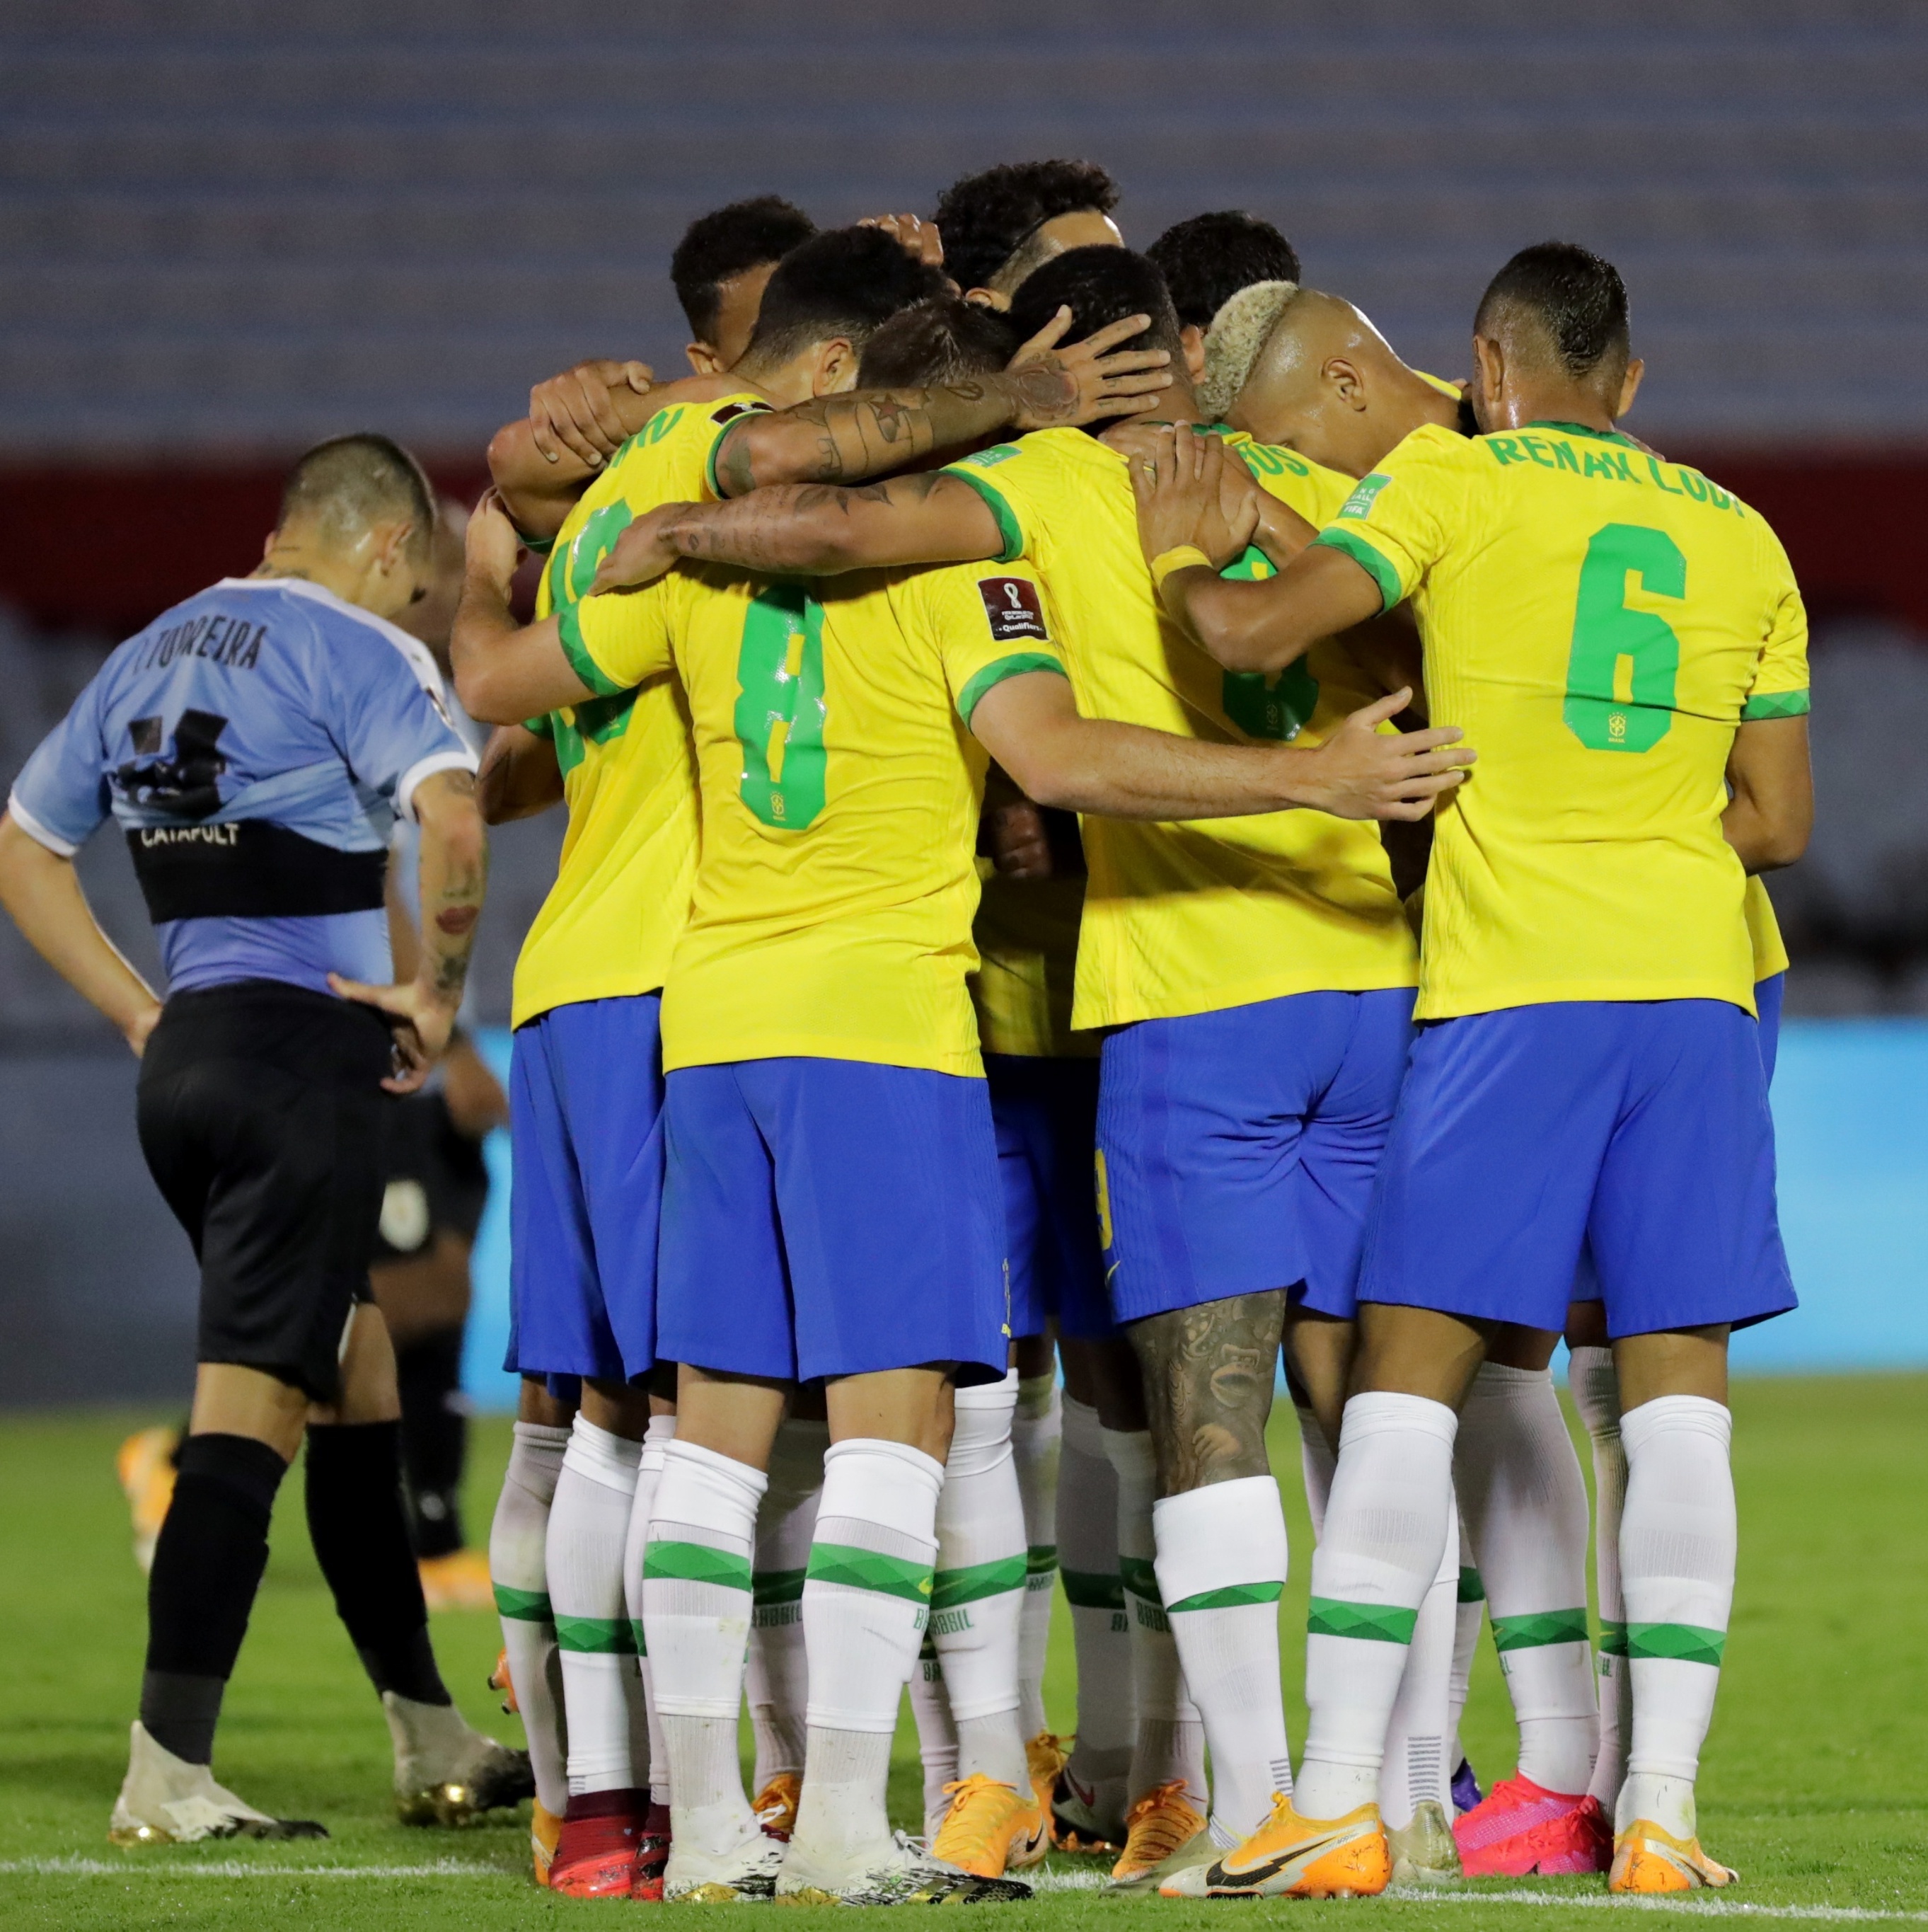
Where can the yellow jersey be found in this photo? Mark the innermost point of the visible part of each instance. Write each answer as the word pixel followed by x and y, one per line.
pixel 1599 622
pixel 1764 933
pixel 1199 916
pixel 1026 940
pixel 832 913
pixel 622 883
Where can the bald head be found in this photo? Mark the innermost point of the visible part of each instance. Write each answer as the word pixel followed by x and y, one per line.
pixel 1327 383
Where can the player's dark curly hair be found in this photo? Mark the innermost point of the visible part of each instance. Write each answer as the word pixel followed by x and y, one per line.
pixel 1575 295
pixel 845 281
pixel 943 340
pixel 1098 286
pixel 718 247
pixel 985 219
pixel 1206 261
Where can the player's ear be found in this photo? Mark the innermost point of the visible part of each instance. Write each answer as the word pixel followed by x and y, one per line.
pixel 703 358
pixel 987 298
pixel 1629 386
pixel 1193 338
pixel 1490 375
pixel 836 368
pixel 1347 383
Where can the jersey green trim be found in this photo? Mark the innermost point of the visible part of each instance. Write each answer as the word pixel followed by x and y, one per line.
pixel 1581 429
pixel 1229 1598
pixel 776 1586
pixel 1015 666
pixel 1683 1643
pixel 569 627
pixel 1472 1589
pixel 857 1569
pixel 1139 1577
pixel 526 1606
pixel 595 1637
pixel 1093 1590
pixel 1351 544
pixel 1535 1632
pixel 716 443
pixel 1009 527
pixel 695 1563
pixel 544 726
pixel 1377 1623
pixel 1040 1559
pixel 967 1584
pixel 1775 704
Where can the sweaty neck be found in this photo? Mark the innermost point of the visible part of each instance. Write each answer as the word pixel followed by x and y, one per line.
pixel 1550 400
pixel 293 554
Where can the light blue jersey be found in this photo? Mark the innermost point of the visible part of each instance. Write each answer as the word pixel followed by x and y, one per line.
pixel 255 744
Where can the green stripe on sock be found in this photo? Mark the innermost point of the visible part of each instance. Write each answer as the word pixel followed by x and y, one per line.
pixel 1377 1623
pixel 695 1563
pixel 1229 1597
pixel 950 1587
pixel 1685 1643
pixel 595 1637
pixel 1544 1627
pixel 1139 1578
pixel 526 1606
pixel 776 1586
pixel 635 1636
pixel 1613 1639
pixel 1093 1590
pixel 1040 1559
pixel 1471 1589
pixel 870 1569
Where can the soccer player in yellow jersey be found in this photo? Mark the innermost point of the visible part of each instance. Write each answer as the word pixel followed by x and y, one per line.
pixel 1325 382
pixel 1627 641
pixel 1257 978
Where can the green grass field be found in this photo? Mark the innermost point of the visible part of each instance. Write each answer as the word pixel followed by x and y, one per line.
pixel 1814 1783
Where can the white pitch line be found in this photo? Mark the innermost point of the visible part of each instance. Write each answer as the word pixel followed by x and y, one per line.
pixel 1707 1908
pixel 136 1868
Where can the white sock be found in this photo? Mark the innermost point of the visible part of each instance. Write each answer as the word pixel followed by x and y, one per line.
pixel 1677 1541
pixel 695 1607
pixel 865 1608
pixel 1594 1385
pixel 1221 1566
pixel 936 1735
pixel 977 1596
pixel 1087 1540
pixel 518 1568
pixel 1036 1433
pixel 1316 1463
pixel 1387 1521
pixel 662 1428
pixel 1525 1504
pixel 778 1682
pixel 1470 1612
pixel 1170 1743
pixel 602 1690
pixel 1416 1769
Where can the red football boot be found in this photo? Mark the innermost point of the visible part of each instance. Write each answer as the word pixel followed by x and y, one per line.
pixel 596 1850
pixel 652 1854
pixel 1519 1827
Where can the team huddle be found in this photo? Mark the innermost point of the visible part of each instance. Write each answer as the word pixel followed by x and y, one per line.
pixel 1028 710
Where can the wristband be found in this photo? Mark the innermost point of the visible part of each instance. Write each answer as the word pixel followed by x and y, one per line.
pixel 1180 556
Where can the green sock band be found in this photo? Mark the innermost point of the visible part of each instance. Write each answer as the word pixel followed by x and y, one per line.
pixel 1093 1590
pixel 1377 1623
pixel 1471 1589
pixel 1684 1643
pixel 595 1637
pixel 667 1562
pixel 855 1569
pixel 1229 1598
pixel 1542 1627
pixel 967 1584
pixel 526 1606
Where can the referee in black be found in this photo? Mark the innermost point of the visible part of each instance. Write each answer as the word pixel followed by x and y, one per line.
pixel 255 745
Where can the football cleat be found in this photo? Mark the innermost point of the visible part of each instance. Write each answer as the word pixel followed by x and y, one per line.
pixel 544 1827
pixel 653 1854
pixel 1422 1850
pixel 990 1829
pixel 1045 1756
pixel 1646 1860
pixel 595 1850
pixel 459 1581
pixel 906 1873
pixel 745 1873
pixel 447 1773
pixel 1292 1857
pixel 1466 1792
pixel 1164 1834
pixel 1520 1827
pixel 144 1463
pixel 500 1680
pixel 1078 1826
pixel 775 1806
pixel 164 1800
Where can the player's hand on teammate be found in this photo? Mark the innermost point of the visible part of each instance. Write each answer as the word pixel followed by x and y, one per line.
pixel 1191 491
pixel 918 238
pixel 1084 382
pixel 1366 772
pixel 493 546
pixel 137 1030
pixel 639 555
pixel 574 411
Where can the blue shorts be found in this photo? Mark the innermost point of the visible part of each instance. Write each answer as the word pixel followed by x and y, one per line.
pixel 1236 1149
pixel 1639 1130
pixel 831 1217
pixel 586 1118
pixel 1046 1115
pixel 1767 994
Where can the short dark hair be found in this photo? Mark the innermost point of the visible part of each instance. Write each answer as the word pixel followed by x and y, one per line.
pixel 986 218
pixel 1206 261
pixel 718 247
pixel 350 481
pixel 1575 295
pixel 1098 286
pixel 845 281
pixel 943 340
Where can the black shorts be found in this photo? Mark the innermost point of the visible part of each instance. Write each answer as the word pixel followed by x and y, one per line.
pixel 436 1178
pixel 265 1125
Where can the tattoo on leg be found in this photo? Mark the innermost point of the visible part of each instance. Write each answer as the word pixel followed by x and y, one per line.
pixel 1208 1374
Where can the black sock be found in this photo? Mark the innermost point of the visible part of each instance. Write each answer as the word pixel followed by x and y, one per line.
pixel 207 1567
pixel 361 1542
pixel 435 1439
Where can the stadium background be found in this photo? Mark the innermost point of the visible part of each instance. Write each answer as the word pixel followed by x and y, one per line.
pixel 233 226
